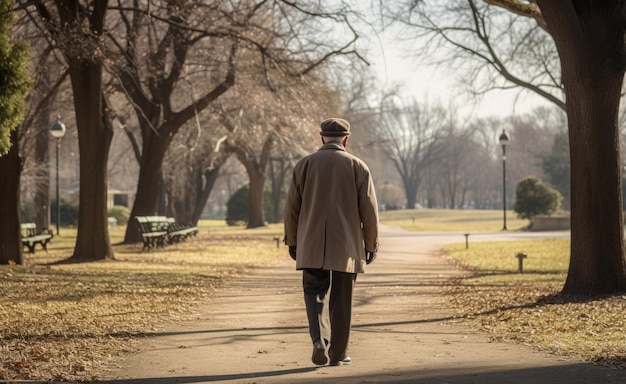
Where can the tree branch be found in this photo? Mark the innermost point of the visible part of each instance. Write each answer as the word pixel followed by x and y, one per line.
pixel 499 66
pixel 178 118
pixel 527 9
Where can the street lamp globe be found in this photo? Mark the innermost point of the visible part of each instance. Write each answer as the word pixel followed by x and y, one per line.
pixel 57 130
pixel 504 139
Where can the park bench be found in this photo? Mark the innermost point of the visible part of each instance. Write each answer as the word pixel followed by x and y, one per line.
pixel 30 237
pixel 178 232
pixel 156 230
pixel 153 231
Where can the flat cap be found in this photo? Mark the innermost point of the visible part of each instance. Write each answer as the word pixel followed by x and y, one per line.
pixel 335 127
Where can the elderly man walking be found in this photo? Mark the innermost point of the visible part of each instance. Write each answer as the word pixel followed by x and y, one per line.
pixel 331 228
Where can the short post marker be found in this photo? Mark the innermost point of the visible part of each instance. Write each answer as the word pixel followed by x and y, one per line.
pixel 520 261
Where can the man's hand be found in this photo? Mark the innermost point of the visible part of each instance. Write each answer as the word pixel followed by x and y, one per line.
pixel 369 257
pixel 292 251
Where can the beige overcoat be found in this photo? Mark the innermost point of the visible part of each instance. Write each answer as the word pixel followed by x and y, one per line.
pixel 331 212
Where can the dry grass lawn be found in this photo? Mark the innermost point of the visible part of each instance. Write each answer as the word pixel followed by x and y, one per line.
pixel 452 220
pixel 528 309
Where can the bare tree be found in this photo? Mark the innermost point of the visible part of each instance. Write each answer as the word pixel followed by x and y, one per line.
pixel 264 121
pixel 454 166
pixel 276 37
pixel 76 30
pixel 411 137
pixel 493 48
pixel 588 37
pixel 156 45
pixel 192 166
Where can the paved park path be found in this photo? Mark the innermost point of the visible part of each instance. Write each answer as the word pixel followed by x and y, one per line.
pixel 254 331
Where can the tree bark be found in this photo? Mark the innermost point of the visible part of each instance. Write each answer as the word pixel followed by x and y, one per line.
pixel 92 121
pixel 149 183
pixel 11 250
pixel 256 173
pixel 210 177
pixel 279 170
pixel 257 184
pixel 589 38
pixel 94 141
pixel 410 190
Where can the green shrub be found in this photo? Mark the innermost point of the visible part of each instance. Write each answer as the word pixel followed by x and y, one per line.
pixel 237 207
pixel 534 198
pixel 120 213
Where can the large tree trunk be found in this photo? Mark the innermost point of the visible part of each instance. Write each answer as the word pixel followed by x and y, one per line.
pixel 256 173
pixel 183 194
pixel 94 141
pixel 279 169
pixel 257 184
pixel 161 209
pixel 210 176
pixel 10 241
pixel 597 261
pixel 149 183
pixel 591 48
pixel 410 190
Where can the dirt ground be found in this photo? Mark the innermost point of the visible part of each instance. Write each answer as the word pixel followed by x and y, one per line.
pixel 254 331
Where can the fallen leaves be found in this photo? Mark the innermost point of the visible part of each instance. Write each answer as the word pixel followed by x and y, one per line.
pixel 529 309
pixel 66 322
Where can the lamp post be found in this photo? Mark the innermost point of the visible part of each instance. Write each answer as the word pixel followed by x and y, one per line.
pixel 57 131
pixel 504 140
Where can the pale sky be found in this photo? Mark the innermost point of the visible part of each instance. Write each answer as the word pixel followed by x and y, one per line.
pixel 425 83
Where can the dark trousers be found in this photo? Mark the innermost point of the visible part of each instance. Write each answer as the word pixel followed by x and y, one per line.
pixel 328 300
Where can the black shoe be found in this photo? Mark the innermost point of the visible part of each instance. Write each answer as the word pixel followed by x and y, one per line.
pixel 319 353
pixel 346 361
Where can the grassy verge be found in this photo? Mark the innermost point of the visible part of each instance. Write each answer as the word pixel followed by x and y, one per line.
pixel 64 322
pixel 452 220
pixel 527 308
